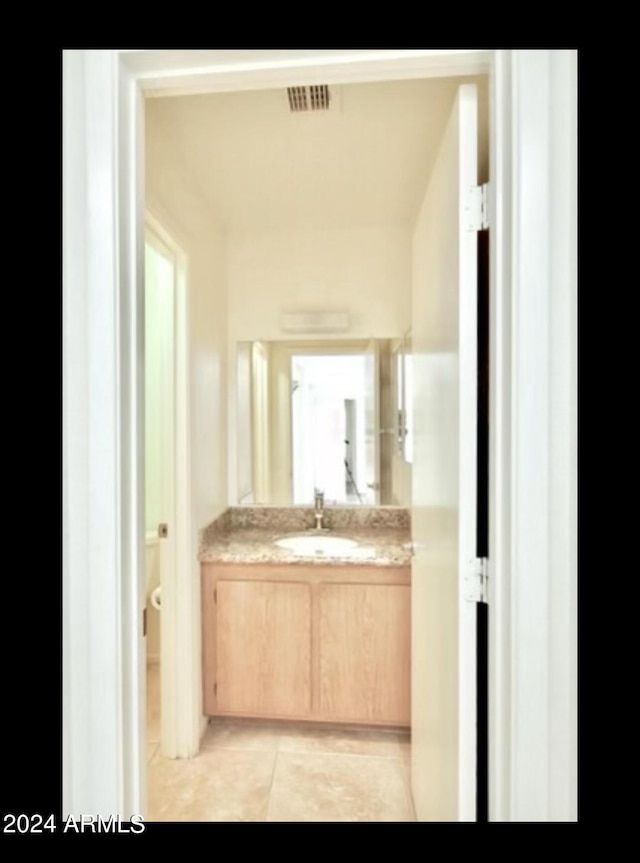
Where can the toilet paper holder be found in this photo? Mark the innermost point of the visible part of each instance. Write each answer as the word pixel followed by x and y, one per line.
pixel 156 599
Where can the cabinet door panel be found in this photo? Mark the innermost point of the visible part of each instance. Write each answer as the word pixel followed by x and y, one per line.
pixel 365 652
pixel 263 647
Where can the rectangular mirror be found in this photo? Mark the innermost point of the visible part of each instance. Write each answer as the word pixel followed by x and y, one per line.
pixel 316 414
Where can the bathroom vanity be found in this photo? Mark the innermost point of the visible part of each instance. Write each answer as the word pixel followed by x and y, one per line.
pixel 318 630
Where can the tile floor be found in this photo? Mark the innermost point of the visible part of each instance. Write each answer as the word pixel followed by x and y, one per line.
pixel 258 771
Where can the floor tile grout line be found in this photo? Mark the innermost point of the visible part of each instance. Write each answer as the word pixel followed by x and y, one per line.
pixel 409 794
pixel 232 748
pixel 403 799
pixel 277 749
pixel 273 775
pixel 341 754
pixel 270 801
pixel 406 776
pixel 280 744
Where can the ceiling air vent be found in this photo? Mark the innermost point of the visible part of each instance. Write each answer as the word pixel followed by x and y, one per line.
pixel 314 98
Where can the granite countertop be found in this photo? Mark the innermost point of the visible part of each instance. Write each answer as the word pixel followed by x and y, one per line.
pixel 246 534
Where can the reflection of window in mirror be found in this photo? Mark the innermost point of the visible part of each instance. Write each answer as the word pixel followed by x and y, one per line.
pixel 329 435
pixel 309 415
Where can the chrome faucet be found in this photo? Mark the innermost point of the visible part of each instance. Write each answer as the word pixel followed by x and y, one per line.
pixel 318 501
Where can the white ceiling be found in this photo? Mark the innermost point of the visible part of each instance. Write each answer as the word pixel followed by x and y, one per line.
pixel 365 161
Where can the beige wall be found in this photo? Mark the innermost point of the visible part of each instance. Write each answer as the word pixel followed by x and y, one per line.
pixel 173 199
pixel 364 271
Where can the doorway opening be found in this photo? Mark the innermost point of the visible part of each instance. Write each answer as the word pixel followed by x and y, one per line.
pixel 349 481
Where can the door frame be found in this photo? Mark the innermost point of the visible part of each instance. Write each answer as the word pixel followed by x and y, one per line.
pixel 260 421
pixel 533 350
pixel 176 614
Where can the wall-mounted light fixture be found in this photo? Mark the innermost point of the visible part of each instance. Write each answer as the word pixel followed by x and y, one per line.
pixel 314 322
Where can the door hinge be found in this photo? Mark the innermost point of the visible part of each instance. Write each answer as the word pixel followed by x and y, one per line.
pixel 144 621
pixel 477 208
pixel 476 580
pixel 215 688
pixel 215 595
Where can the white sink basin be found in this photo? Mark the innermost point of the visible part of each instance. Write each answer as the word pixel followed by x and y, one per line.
pixel 311 546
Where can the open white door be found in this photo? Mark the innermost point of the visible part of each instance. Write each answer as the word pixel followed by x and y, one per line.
pixel 372 424
pixel 444 479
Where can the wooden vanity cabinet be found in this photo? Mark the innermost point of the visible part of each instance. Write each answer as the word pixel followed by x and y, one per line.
pixel 263 648
pixel 323 643
pixel 365 652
